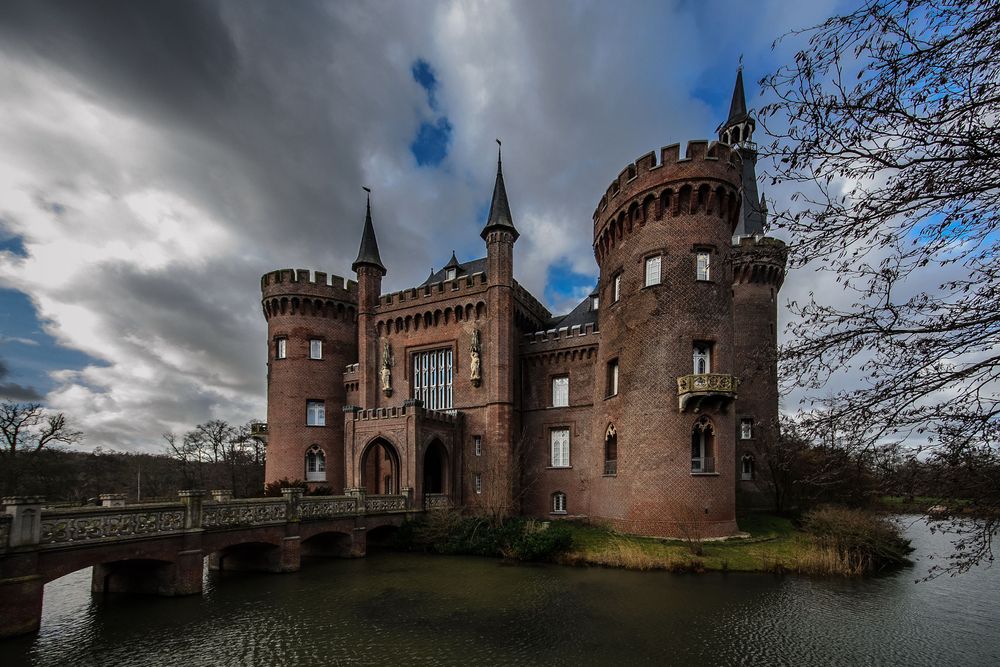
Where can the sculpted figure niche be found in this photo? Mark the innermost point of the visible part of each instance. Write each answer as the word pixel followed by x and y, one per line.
pixel 385 374
pixel 474 360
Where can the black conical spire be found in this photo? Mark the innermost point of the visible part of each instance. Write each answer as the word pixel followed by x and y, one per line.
pixel 499 217
pixel 738 107
pixel 453 262
pixel 368 252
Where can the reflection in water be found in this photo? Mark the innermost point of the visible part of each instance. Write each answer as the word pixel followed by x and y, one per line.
pixel 430 609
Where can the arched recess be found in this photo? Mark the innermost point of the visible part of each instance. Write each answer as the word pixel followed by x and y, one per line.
pixel 379 473
pixel 435 468
pixel 611 451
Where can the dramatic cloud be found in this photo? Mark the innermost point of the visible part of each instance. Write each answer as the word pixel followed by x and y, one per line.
pixel 13 391
pixel 159 157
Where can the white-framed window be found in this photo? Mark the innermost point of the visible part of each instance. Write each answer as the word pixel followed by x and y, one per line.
pixel 432 376
pixel 559 438
pixel 747 468
pixel 595 303
pixel 703 446
pixel 315 413
pixel 746 428
pixel 612 388
pixel 477 482
pixel 704 266
pixel 560 391
pixel 315 348
pixel 652 271
pixel 477 444
pixel 558 502
pixel 616 288
pixel 452 273
pixel 702 357
pixel 280 348
pixel 315 465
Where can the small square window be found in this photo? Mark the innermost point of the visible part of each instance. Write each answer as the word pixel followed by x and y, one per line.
pixel 477 480
pixel 595 303
pixel 653 271
pixel 612 387
pixel 560 447
pixel 315 348
pixel 704 264
pixel 560 392
pixel 280 348
pixel 746 429
pixel 616 288
pixel 315 413
pixel 477 444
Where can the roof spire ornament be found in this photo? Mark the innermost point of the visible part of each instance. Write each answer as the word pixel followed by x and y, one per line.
pixel 499 217
pixel 368 252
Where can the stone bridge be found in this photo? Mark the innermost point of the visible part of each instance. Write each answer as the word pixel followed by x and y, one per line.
pixel 160 548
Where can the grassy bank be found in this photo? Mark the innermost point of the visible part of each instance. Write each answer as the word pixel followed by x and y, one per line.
pixel 838 542
pixel 830 541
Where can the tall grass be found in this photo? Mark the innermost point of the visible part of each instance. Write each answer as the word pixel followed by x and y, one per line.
pixel 851 542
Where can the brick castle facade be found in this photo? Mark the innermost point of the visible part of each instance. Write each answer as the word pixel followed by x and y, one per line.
pixel 646 408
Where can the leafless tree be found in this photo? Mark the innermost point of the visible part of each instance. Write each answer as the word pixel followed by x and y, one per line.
pixel 27 428
pixel 886 125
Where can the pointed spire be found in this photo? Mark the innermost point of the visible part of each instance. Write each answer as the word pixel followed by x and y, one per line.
pixel 368 252
pixel 738 107
pixel 499 208
pixel 453 262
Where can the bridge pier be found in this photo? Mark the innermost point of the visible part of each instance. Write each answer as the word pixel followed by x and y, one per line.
pixel 20 605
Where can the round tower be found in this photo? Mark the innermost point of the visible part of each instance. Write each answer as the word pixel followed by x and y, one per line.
pixel 666 367
pixel 312 336
pixel 758 272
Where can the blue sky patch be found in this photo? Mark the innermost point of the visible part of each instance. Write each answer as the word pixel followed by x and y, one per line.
pixel 27 351
pixel 13 244
pixel 430 147
pixel 562 283
pixel 423 74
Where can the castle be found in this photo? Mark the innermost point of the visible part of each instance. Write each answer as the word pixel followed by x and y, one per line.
pixel 645 408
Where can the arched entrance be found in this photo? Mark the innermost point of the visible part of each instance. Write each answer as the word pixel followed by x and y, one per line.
pixel 435 468
pixel 380 468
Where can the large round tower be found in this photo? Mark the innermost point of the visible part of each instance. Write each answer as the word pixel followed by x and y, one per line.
pixel 312 336
pixel 666 385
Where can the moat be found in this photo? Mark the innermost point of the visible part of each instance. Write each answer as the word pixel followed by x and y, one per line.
pixel 393 608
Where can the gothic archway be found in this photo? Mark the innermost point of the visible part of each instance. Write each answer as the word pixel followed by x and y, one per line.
pixel 435 468
pixel 380 468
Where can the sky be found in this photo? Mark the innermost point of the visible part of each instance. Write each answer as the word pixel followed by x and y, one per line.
pixel 159 157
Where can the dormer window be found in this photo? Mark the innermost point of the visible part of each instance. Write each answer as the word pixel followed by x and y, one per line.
pixel 594 303
pixel 452 273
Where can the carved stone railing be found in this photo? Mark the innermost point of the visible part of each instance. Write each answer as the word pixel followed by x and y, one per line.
pixel 698 387
pixel 259 431
pixel 327 507
pixel 436 501
pixel 376 504
pixel 255 512
pixel 90 524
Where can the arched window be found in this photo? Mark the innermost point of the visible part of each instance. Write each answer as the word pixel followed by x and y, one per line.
pixel 558 502
pixel 747 468
pixel 315 464
pixel 703 446
pixel 702 356
pixel 611 451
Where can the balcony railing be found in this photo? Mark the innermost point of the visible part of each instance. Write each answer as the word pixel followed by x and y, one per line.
pixel 316 476
pixel 700 387
pixel 703 465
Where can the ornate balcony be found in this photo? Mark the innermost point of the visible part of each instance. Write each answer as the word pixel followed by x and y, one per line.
pixel 696 389
pixel 258 430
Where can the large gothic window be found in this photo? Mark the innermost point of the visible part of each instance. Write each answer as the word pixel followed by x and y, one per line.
pixel 432 375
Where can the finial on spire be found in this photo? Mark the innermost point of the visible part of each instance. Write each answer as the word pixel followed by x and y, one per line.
pixel 740 68
pixel 499 216
pixel 499 151
pixel 368 252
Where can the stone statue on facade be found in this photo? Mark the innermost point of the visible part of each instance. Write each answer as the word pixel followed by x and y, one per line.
pixel 475 364
pixel 385 373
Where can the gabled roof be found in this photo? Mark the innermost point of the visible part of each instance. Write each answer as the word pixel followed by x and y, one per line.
pixel 461 269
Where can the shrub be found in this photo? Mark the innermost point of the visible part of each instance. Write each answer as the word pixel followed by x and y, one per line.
pixel 273 489
pixel 447 532
pixel 852 541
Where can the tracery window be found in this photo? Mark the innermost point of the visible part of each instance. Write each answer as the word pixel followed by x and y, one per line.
pixel 703 446
pixel 432 379
pixel 559 440
pixel 315 464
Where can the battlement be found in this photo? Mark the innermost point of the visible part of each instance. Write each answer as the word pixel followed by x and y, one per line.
pixel 702 160
pixel 561 333
pixel 531 303
pixel 415 409
pixel 303 282
pixel 759 259
pixel 473 282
